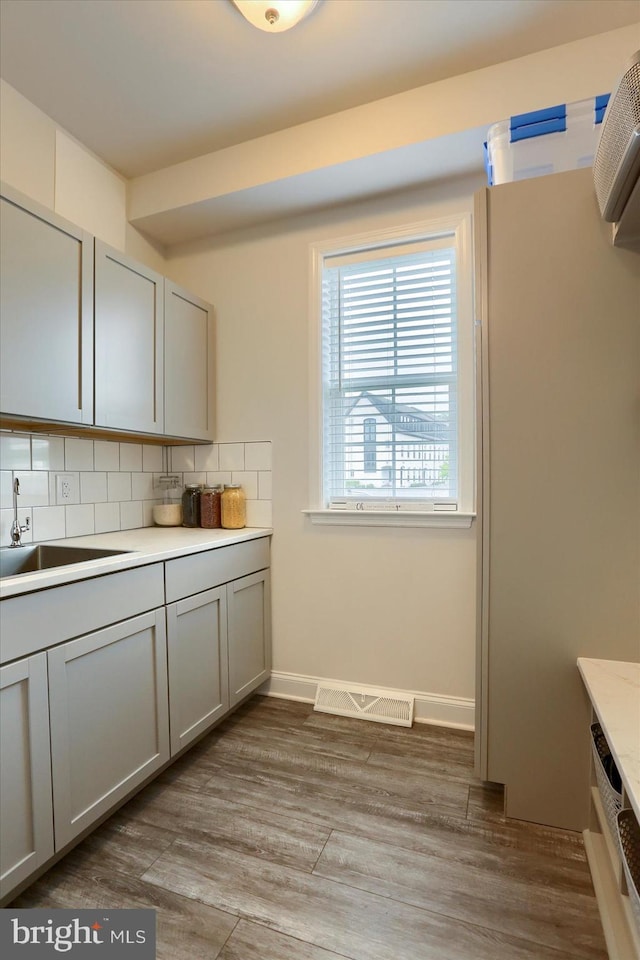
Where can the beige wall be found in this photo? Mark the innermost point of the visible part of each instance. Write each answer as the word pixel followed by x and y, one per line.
pixel 44 162
pixel 384 607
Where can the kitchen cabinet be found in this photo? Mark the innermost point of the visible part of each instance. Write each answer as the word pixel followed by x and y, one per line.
pixel 249 625
pixel 197 658
pixel 230 590
pixel 46 314
pixel 118 673
pixel 189 365
pixel 109 718
pixel 83 322
pixel 26 827
pixel 129 348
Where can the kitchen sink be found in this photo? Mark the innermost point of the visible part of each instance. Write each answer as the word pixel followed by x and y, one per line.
pixel 29 559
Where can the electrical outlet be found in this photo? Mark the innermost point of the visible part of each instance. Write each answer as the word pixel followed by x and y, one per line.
pixel 66 488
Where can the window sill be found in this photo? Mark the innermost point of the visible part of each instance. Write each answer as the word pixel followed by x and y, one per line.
pixel 372 518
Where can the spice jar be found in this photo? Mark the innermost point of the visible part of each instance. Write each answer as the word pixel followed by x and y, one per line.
pixel 210 507
pixel 234 507
pixel 191 505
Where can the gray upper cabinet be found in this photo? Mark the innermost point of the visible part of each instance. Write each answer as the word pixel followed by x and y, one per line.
pixel 46 314
pixel 189 365
pixel 129 349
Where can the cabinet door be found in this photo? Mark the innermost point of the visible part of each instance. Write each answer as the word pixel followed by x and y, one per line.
pixel 189 365
pixel 109 718
pixel 198 671
pixel 128 343
pixel 46 314
pixel 25 774
pixel 249 625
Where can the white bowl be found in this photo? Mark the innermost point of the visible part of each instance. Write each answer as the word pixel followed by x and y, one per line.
pixel 167 514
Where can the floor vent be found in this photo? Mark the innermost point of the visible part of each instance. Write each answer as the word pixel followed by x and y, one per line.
pixel 351 701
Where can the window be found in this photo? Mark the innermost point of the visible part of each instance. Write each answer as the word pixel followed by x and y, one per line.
pixel 396 398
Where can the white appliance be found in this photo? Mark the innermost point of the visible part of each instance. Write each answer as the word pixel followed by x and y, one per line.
pixel 616 167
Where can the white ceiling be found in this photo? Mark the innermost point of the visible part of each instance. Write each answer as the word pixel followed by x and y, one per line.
pixel 148 83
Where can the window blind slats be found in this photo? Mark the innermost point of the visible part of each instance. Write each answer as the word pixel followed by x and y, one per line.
pixel 389 361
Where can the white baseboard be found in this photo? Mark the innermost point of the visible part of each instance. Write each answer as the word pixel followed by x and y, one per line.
pixel 429 707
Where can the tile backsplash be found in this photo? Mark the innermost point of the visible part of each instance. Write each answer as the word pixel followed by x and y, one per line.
pixel 115 485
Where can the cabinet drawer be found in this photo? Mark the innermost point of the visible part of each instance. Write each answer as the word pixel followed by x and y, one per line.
pixel 35 621
pixel 202 571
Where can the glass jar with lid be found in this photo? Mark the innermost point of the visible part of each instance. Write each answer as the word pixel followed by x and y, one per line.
pixel 191 505
pixel 233 507
pixel 210 507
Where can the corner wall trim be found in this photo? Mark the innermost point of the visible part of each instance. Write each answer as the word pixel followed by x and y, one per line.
pixel 433 708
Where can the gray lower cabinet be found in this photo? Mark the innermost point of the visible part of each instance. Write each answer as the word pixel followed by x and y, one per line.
pixel 197 658
pixel 26 824
pixel 249 626
pixel 46 314
pixel 109 718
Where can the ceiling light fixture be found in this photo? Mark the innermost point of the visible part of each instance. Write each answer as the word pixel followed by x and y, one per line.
pixel 275 16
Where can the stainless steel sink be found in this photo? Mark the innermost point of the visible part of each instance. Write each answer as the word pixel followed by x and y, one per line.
pixel 29 559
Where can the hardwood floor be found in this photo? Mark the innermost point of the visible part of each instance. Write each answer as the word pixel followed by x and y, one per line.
pixel 292 835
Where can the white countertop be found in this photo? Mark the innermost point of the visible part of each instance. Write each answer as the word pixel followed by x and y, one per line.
pixel 144 545
pixel 614 689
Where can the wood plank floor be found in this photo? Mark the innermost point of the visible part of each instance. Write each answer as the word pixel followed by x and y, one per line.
pixel 292 835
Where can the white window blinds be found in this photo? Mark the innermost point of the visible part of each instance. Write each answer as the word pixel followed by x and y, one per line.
pixel 390 377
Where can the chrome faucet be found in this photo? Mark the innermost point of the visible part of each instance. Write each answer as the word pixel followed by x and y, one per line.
pixel 16 529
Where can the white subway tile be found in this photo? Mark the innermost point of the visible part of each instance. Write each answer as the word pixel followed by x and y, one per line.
pixel 106 454
pixel 182 458
pixel 259 513
pixel 231 456
pixel 47 453
pixel 79 520
pixel 249 482
pixel 207 457
pixel 257 456
pixel 93 487
pixel 119 486
pixel 6 490
pixel 195 477
pixel 264 485
pixel 147 512
pixel 131 456
pixel 219 476
pixel 15 452
pixel 6 520
pixel 142 486
pixel 48 523
pixel 107 517
pixel 78 454
pixel 34 488
pixel 151 458
pixel 131 515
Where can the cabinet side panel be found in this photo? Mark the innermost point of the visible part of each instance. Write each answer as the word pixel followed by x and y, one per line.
pixel 564 551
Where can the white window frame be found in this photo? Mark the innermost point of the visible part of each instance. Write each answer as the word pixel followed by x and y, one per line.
pixel 459 227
